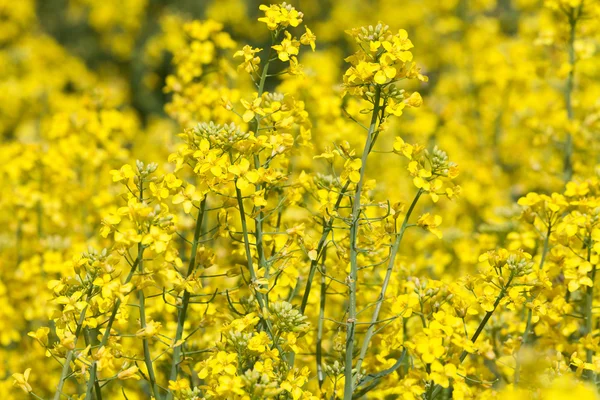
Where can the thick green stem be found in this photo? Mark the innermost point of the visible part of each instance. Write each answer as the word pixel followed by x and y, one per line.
pixel 353 277
pixel 181 316
pixel 320 246
pixel 386 281
pixel 250 263
pixel 247 249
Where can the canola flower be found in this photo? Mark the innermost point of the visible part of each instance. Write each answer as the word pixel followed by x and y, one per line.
pixel 316 209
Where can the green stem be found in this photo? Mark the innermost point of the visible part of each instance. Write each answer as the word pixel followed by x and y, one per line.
pixel 352 279
pixel 142 303
pixel 589 304
pixel 488 315
pixel 258 220
pixel 386 281
pixel 250 263
pixel 319 345
pixel 88 342
pixel 480 328
pixel 186 297
pixel 94 368
pixel 313 264
pixel 69 356
pixel 145 342
pixel 106 336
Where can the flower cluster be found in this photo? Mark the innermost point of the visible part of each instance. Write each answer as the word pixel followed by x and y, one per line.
pixel 215 208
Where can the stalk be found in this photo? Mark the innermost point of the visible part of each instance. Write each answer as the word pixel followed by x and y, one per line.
pixel 482 324
pixel 356 210
pixel 589 305
pixel 145 342
pixel 106 336
pixel 258 220
pixel 247 242
pixel 320 246
pixel 94 368
pixel 386 281
pixel 186 297
pixel 488 315
pixel 529 312
pixel 323 299
pixel 69 357
pixel 142 302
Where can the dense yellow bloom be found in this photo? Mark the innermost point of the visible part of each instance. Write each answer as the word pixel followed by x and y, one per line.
pixel 207 209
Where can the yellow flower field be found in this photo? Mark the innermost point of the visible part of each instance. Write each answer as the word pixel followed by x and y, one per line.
pixel 321 199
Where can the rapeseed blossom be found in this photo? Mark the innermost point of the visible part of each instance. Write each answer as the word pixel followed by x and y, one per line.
pixel 317 200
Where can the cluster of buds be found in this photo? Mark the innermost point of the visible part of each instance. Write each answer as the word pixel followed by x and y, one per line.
pixel 223 136
pixel 258 382
pixel 440 164
pixel 95 262
pixel 285 318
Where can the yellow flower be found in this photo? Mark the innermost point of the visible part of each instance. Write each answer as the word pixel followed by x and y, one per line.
pixel 259 342
pixel 429 348
pixel 179 385
pixel 124 173
pixel 21 380
pixel 151 330
pixel 294 382
pixel 251 60
pixel 403 148
pixel 308 38
pixel 431 223
pixel 252 108
pixel 41 335
pixel 245 175
pixel 188 197
pixel 441 374
pixel 282 15
pixel 415 100
pixel 129 373
pixel 288 47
